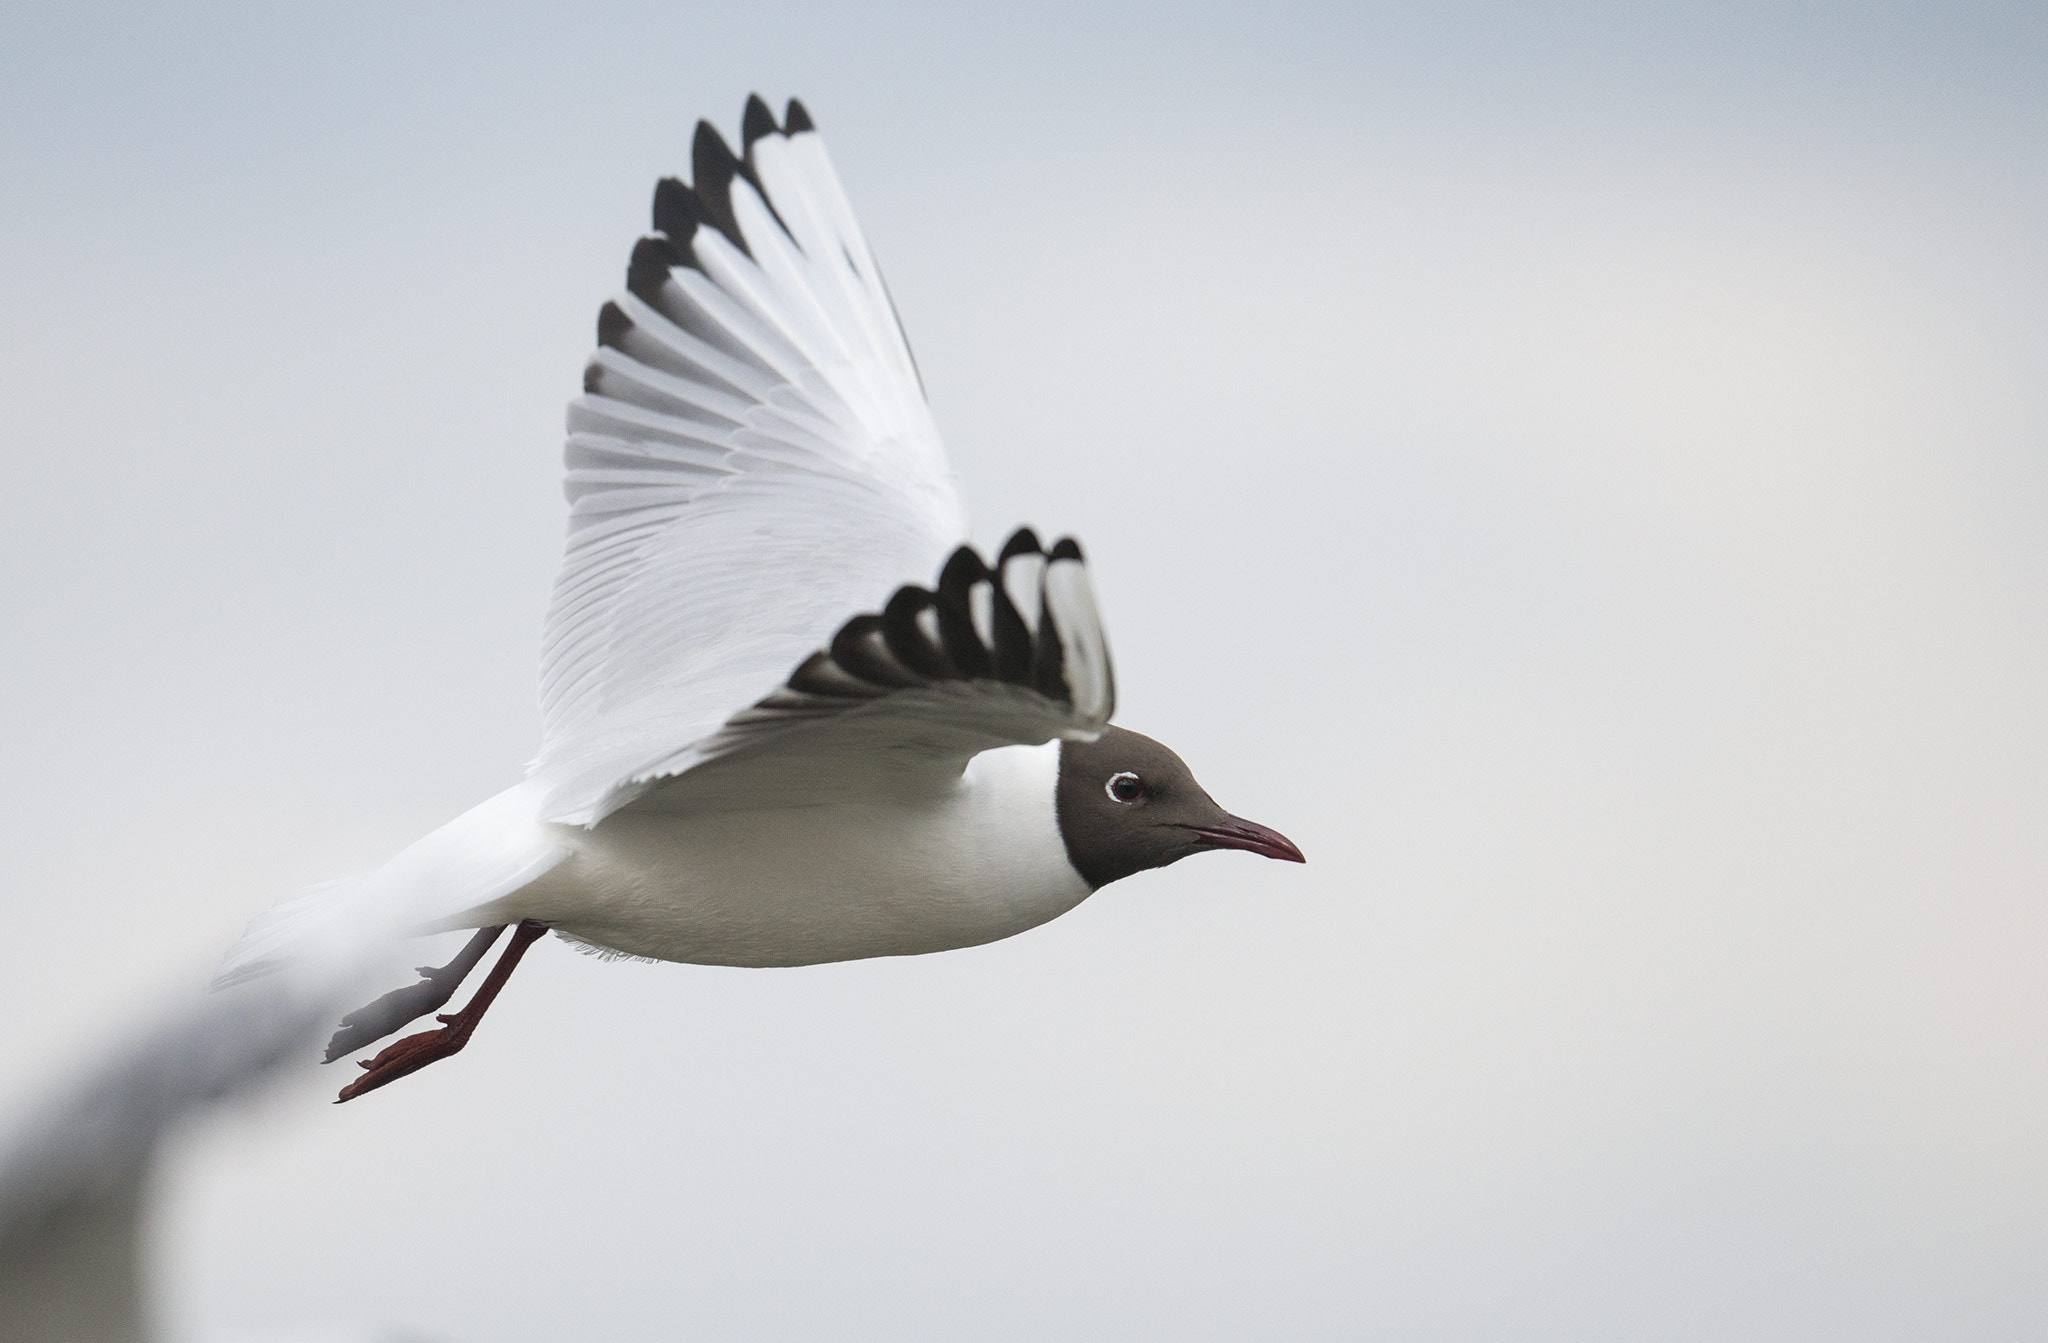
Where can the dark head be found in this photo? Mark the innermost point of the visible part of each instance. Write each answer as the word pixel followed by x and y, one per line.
pixel 1127 803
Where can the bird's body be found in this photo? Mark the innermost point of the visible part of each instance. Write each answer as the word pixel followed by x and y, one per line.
pixel 762 743
pixel 891 872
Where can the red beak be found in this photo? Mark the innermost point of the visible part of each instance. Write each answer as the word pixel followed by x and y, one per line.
pixel 1238 833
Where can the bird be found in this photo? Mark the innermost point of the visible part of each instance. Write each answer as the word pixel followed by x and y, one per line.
pixel 78 1186
pixel 765 742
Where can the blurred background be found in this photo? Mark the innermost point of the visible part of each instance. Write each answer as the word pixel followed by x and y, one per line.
pixel 1578 469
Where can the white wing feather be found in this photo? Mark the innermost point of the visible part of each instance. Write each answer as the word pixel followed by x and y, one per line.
pixel 751 460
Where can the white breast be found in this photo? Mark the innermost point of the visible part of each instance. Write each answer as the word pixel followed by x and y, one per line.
pixel 796 886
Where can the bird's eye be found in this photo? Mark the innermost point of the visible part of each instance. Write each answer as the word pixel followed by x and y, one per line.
pixel 1125 787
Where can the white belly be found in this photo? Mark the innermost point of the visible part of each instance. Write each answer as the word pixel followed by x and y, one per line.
pixel 887 877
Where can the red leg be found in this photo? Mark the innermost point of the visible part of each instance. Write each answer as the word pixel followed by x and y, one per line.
pixel 398 1008
pixel 415 1052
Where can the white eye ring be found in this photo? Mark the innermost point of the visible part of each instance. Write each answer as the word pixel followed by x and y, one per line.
pixel 1120 777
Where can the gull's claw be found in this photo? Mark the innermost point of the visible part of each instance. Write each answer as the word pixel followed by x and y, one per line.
pixel 405 1057
pixel 373 1021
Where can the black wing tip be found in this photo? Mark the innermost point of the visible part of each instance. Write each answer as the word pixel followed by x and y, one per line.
pixel 712 162
pixel 713 165
pixel 964 567
pixel 907 642
pixel 820 676
pixel 677 211
pixel 681 208
pixel 862 650
pixel 757 121
pixel 653 258
pixel 862 626
pixel 1023 541
pixel 1066 548
pixel 708 140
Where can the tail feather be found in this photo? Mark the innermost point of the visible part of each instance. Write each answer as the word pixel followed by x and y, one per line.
pixel 483 855
pixel 267 942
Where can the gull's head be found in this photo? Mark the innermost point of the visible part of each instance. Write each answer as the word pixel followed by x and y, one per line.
pixel 1127 803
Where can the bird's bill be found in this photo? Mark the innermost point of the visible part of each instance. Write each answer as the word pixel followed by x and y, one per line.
pixel 1238 833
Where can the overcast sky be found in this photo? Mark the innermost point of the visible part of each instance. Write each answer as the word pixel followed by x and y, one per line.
pixel 1579 470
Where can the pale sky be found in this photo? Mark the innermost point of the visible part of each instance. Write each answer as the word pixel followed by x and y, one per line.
pixel 1580 471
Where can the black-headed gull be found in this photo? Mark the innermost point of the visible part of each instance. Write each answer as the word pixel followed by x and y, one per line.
pixel 753 753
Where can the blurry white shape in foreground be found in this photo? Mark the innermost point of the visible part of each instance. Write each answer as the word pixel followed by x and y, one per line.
pixel 75 1171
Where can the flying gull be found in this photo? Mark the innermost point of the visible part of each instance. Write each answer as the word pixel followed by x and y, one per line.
pixel 763 743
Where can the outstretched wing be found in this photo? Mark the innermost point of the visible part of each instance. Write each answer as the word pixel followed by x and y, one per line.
pixel 904 697
pixel 751 458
